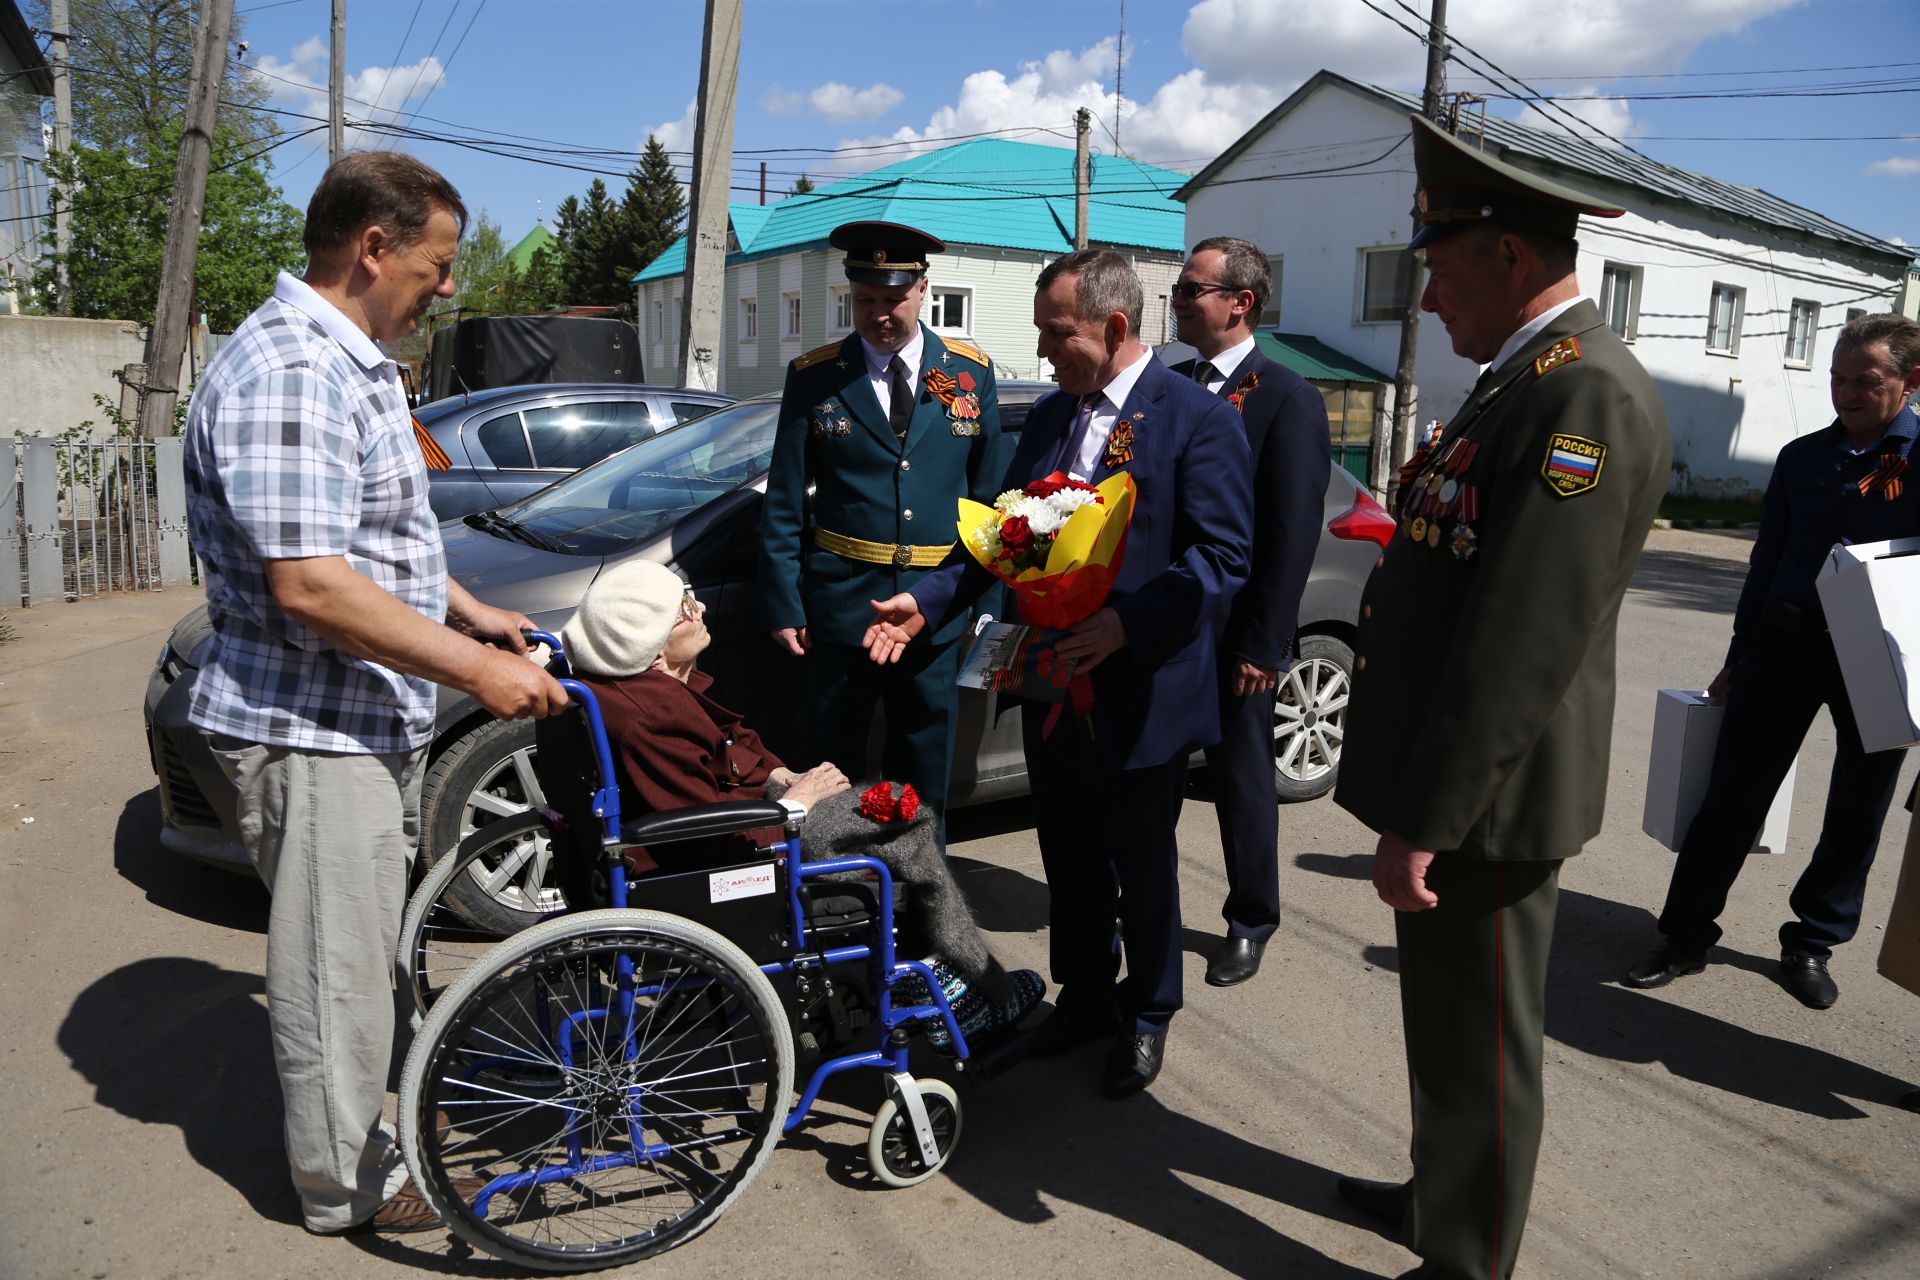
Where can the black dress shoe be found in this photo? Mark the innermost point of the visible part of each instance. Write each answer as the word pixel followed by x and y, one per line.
pixel 1237 960
pixel 1071 1024
pixel 1663 966
pixel 1808 979
pixel 1384 1202
pixel 1134 1063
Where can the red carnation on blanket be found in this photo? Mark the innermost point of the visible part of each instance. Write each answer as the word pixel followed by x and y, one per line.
pixel 877 803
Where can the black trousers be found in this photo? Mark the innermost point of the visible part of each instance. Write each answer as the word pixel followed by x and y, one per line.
pixel 1248 806
pixel 917 697
pixel 1777 685
pixel 1107 842
pixel 1473 995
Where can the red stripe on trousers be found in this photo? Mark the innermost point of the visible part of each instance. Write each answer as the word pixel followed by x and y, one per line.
pixel 1500 1081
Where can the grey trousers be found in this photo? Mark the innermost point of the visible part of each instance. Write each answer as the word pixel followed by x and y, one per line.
pixel 331 836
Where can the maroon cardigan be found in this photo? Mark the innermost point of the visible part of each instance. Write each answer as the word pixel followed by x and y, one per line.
pixel 674 747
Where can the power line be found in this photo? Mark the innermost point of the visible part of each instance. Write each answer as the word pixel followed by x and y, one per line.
pixel 164 190
pixel 448 64
pixel 387 80
pixel 1714 96
pixel 1690 75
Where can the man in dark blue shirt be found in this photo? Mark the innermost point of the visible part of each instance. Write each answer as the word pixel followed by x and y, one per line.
pixel 1849 482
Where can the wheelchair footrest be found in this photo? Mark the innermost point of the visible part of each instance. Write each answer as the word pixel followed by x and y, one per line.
pixel 997 1055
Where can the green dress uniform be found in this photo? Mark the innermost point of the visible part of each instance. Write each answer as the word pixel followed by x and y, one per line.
pixel 1479 727
pixel 884 511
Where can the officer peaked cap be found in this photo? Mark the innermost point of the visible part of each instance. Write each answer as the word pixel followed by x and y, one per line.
pixel 884 253
pixel 1461 187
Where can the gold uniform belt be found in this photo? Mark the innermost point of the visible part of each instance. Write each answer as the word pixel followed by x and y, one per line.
pixel 897 555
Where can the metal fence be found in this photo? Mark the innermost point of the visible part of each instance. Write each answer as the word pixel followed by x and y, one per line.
pixel 81 518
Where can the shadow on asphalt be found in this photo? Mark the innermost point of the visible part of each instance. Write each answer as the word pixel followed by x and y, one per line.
pixel 1683 580
pixel 1595 940
pixel 178 884
pixel 1347 866
pixel 182 1042
pixel 1003 900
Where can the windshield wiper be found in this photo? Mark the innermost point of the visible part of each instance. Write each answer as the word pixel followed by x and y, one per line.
pixel 494 522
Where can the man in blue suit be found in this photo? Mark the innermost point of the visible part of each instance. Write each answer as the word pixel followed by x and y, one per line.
pixel 1107 789
pixel 880 434
pixel 1221 293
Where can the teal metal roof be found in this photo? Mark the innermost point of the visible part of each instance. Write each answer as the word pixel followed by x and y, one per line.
pixel 1313 359
pixel 747 220
pixel 990 192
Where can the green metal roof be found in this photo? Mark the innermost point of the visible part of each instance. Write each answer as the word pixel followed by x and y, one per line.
pixel 1313 359
pixel 989 192
pixel 747 221
pixel 531 243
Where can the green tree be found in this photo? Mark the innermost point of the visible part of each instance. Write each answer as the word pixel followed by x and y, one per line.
pixel 801 186
pixel 654 211
pixel 592 232
pixel 120 211
pixel 482 270
pixel 538 288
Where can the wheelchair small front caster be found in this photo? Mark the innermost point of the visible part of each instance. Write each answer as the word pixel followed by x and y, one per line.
pixel 894 1147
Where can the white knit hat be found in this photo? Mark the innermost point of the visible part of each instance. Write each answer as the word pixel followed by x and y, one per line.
pixel 624 620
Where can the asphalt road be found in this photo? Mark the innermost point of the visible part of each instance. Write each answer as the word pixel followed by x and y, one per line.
pixel 1715 1129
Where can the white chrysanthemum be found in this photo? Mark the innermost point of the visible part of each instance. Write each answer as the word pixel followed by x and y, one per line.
pixel 1005 501
pixel 1042 516
pixel 986 540
pixel 1071 500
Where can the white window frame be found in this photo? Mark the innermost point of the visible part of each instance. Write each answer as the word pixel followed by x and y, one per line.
pixel 1270 318
pixel 1366 257
pixel 965 327
pixel 749 319
pixel 839 309
pixel 659 320
pixel 1612 276
pixel 674 318
pixel 1737 307
pixel 790 317
pixel 1803 331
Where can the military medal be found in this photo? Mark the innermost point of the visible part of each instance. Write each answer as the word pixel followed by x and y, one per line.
pixel 1418 529
pixel 1462 543
pixel 1447 490
pixel 1433 534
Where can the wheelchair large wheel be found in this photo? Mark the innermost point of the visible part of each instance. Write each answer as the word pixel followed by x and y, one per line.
pixel 439 937
pixel 588 1125
pixel 893 1149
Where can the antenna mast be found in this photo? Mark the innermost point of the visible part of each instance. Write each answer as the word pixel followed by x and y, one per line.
pixel 1119 64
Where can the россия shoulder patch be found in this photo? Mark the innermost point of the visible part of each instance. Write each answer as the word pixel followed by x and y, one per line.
pixel 1572 464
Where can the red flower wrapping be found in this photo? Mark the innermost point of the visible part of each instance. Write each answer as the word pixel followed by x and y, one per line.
pixel 1016 537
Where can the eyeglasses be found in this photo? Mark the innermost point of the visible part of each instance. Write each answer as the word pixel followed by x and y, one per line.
pixel 1188 290
pixel 690 608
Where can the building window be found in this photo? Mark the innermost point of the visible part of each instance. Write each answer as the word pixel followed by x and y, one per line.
pixel 749 319
pixel 1270 318
pixel 674 315
pixel 1169 323
pixel 1620 299
pixel 840 307
pixel 1386 278
pixel 1854 313
pixel 1803 323
pixel 1724 313
pixel 949 310
pixel 790 308
pixel 659 321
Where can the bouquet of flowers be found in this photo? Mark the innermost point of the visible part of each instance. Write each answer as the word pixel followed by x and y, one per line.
pixel 1057 543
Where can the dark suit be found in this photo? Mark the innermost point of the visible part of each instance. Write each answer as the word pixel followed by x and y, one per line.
pixel 1107 791
pixel 870 485
pixel 1286 423
pixel 1479 727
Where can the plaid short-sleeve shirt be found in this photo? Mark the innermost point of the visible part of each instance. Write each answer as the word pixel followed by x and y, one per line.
pixel 299 444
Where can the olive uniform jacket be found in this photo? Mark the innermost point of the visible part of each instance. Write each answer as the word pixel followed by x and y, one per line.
pixel 1482 706
pixel 867 484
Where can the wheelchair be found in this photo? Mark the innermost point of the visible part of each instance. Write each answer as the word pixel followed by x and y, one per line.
pixel 600 1084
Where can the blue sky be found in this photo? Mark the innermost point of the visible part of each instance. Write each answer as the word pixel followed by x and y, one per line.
pixel 600 75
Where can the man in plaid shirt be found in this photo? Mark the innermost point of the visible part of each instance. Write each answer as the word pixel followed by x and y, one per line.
pixel 333 619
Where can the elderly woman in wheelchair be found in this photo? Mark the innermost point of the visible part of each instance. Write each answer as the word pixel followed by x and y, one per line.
pixel 601 1085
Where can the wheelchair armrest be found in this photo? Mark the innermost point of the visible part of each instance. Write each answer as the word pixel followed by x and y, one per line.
pixel 700 820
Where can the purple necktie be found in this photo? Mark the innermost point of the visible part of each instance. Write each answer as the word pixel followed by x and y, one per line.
pixel 1082 423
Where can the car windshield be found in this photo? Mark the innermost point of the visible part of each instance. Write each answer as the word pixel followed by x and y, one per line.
pixel 638 493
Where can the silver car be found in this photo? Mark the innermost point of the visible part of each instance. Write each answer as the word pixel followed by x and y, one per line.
pixel 691 497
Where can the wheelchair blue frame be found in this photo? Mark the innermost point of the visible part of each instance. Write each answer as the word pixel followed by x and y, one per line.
pixel 891 1056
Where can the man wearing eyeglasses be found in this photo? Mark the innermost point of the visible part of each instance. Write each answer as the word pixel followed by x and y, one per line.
pixel 1221 293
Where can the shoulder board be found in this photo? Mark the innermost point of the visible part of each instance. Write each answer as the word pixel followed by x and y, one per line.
pixel 1565 351
pixel 816 356
pixel 968 350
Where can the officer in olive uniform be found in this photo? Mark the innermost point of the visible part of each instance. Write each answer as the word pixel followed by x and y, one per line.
pixel 1482 706
pixel 890 427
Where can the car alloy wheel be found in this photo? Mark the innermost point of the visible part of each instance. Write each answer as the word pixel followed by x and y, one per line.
pixel 481 777
pixel 1310 717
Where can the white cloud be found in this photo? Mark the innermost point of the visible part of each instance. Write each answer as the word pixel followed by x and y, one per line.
pixel 675 135
pixel 780 102
pixel 834 101
pixel 1611 117
pixel 379 94
pixel 1896 167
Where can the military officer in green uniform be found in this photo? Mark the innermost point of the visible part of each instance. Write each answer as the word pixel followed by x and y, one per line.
pixel 890 427
pixel 1477 736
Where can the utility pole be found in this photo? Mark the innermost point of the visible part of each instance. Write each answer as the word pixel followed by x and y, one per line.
pixel 62 145
pixel 763 182
pixel 705 280
pixel 1082 174
pixel 1387 461
pixel 167 339
pixel 1119 66
pixel 337 85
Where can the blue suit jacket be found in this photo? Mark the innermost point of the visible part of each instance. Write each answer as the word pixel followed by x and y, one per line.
pixel 1186 555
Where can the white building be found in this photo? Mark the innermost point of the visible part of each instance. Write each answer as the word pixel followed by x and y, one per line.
pixel 24 79
pixel 1729 296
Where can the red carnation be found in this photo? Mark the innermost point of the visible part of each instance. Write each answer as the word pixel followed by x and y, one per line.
pixel 876 803
pixel 964 381
pixel 909 798
pixel 1016 536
